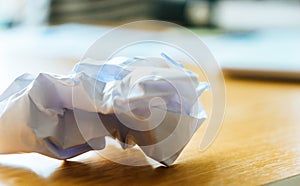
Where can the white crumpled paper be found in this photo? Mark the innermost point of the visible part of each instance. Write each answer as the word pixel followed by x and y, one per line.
pixel 151 102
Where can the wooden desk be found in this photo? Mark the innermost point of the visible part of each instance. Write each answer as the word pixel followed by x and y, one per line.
pixel 258 143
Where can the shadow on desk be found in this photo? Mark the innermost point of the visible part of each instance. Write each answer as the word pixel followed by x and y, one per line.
pixel 98 171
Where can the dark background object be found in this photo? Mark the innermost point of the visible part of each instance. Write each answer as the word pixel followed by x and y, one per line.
pixel 178 11
pixel 101 11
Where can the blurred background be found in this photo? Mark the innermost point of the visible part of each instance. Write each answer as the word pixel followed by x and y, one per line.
pixel 228 14
pixel 248 37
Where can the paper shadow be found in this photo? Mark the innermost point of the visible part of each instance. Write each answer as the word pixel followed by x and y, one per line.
pixel 105 172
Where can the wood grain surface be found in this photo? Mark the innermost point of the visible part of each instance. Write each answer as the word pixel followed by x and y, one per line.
pixel 259 143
